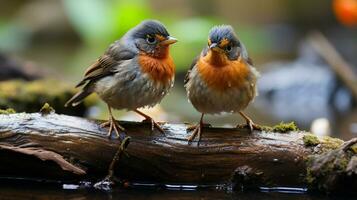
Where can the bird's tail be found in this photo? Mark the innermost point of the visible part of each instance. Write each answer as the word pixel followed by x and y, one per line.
pixel 79 97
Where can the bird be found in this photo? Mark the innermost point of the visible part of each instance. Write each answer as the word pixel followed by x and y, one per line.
pixel 221 79
pixel 135 71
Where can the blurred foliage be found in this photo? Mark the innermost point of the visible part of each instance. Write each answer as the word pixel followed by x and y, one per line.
pixel 100 22
pixel 192 35
pixel 31 96
pixel 114 18
pixel 13 37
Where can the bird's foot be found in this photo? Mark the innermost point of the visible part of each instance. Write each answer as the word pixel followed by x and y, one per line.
pixel 113 124
pixel 150 120
pixel 250 125
pixel 153 124
pixel 193 127
pixel 197 130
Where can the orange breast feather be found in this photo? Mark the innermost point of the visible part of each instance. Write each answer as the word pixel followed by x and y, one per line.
pixel 223 75
pixel 160 69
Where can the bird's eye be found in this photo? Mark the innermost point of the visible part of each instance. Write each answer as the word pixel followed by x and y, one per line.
pixel 151 40
pixel 228 48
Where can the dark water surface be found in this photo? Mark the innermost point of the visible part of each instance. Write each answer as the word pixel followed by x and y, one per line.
pixel 34 191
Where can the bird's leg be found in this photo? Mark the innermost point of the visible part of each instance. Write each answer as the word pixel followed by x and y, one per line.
pixel 251 125
pixel 193 127
pixel 197 130
pixel 150 120
pixel 113 124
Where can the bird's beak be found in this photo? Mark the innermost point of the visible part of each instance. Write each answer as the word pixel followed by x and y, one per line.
pixel 214 47
pixel 169 40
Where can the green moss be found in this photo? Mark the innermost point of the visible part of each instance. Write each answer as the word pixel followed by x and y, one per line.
pixel 327 161
pixel 281 127
pixel 326 142
pixel 342 163
pixel 7 111
pixel 30 96
pixel 354 148
pixel 323 168
pixel 310 139
pixel 331 143
pixel 47 109
pixel 310 178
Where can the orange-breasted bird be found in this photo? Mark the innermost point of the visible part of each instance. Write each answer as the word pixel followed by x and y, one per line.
pixel 222 78
pixel 135 71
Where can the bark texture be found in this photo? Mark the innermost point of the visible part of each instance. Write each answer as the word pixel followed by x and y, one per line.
pixel 65 148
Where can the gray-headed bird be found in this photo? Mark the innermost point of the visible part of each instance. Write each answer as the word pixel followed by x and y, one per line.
pixel 136 71
pixel 222 78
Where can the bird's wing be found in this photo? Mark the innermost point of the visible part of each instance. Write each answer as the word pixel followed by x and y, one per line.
pixel 187 76
pixel 250 61
pixel 105 65
pixel 193 64
pixel 244 54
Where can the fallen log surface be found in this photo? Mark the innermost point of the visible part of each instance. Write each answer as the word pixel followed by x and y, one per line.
pixel 65 148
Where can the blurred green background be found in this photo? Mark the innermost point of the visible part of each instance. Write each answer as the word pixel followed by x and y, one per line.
pixel 67 35
pixel 64 37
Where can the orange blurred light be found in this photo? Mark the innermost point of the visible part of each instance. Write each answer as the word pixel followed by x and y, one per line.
pixel 346 11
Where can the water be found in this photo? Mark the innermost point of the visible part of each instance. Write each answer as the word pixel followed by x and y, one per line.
pixel 16 191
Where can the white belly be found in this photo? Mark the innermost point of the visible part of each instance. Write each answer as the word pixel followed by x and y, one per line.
pixel 130 89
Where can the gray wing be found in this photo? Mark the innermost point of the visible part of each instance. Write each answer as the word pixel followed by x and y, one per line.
pixel 187 76
pixel 244 54
pixel 194 62
pixel 104 66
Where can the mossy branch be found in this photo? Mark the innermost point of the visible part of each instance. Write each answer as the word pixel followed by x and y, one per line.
pixel 30 96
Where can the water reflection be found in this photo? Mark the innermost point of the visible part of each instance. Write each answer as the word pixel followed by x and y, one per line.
pixel 11 192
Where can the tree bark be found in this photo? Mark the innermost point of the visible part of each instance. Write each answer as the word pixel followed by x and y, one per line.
pixel 65 148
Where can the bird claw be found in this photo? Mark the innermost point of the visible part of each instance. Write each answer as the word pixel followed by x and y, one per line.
pixel 250 125
pixel 113 124
pixel 196 131
pixel 154 125
pixel 193 127
pixel 104 124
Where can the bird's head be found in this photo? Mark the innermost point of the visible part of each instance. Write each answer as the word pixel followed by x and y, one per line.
pixel 152 38
pixel 223 45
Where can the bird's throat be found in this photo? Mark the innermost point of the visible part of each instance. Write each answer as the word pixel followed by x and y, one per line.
pixel 223 75
pixel 216 58
pixel 161 52
pixel 159 69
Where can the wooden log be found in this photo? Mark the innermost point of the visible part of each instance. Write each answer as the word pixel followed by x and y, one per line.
pixel 65 148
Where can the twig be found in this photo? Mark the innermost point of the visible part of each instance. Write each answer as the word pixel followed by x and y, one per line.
pixel 342 69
